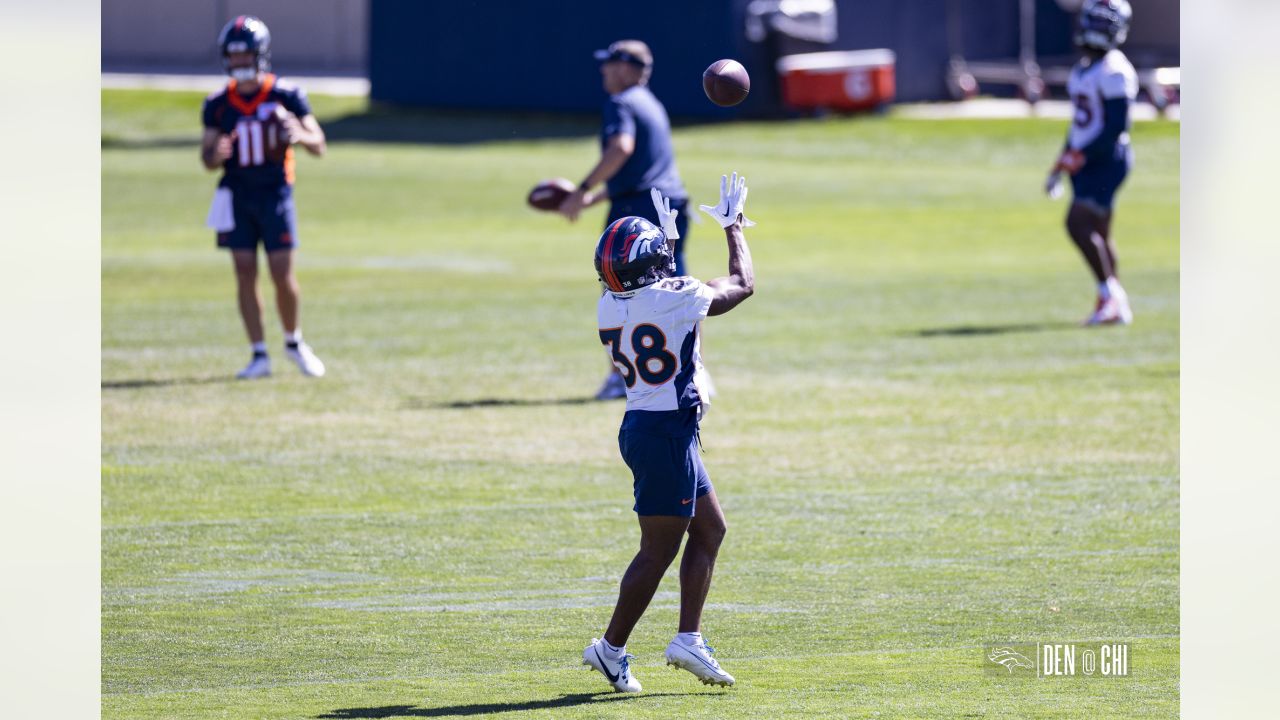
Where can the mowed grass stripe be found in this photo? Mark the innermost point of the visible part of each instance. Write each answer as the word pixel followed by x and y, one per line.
pixel 847 689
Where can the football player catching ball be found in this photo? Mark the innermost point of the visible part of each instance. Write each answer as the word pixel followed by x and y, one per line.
pixel 649 321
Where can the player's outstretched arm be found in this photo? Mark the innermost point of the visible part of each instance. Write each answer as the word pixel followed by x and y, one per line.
pixel 741 280
pixel 740 283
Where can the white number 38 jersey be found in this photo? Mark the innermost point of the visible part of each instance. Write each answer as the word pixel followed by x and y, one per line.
pixel 652 338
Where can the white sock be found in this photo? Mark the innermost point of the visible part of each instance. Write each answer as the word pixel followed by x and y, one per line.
pixel 1104 290
pixel 259 348
pixel 611 652
pixel 692 639
pixel 293 337
pixel 1115 290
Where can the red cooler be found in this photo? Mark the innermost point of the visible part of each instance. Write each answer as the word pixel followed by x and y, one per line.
pixel 853 80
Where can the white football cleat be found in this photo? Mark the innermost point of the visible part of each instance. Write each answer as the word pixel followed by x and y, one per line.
pixel 1112 311
pixel 258 367
pixel 699 660
pixel 305 359
pixel 617 672
pixel 614 387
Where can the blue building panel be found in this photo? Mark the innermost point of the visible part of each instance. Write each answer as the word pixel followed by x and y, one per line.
pixel 511 55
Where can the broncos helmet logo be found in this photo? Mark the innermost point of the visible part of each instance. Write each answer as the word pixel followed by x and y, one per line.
pixel 643 238
pixel 633 253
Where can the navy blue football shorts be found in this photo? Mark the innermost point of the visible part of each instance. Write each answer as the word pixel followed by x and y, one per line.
pixel 265 214
pixel 1096 183
pixel 640 204
pixel 668 473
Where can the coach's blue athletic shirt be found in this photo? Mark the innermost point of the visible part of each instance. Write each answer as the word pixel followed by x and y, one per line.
pixel 636 112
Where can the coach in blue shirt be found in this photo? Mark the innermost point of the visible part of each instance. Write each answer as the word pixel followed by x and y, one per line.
pixel 635 142
pixel 635 155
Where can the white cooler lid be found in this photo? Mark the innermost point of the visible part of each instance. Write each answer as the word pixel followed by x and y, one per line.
pixel 836 60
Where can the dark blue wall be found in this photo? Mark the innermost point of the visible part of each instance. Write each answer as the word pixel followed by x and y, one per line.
pixel 537 56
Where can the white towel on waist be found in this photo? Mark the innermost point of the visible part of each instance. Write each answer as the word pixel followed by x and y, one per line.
pixel 221 218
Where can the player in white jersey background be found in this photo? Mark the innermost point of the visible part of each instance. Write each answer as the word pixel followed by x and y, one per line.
pixel 649 323
pixel 1097 154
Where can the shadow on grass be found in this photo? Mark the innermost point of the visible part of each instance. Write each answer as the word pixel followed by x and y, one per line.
pixel 978 330
pixel 386 124
pixel 111 142
pixel 381 123
pixel 398 711
pixel 161 382
pixel 437 126
pixel 419 404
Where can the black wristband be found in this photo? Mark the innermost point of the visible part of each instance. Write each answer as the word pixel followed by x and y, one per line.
pixel 583 186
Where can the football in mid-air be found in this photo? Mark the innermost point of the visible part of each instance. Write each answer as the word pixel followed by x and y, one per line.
pixel 726 83
pixel 548 194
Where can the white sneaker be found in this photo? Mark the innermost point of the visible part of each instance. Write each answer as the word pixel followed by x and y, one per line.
pixel 258 367
pixel 614 387
pixel 1126 313
pixel 1112 311
pixel 617 672
pixel 699 660
pixel 305 359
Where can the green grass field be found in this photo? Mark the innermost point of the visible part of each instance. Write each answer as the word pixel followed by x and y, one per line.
pixel 918 451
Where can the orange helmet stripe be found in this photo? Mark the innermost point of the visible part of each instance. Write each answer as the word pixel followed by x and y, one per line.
pixel 606 258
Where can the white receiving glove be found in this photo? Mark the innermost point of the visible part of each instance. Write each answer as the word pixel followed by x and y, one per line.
pixel 666 216
pixel 733 197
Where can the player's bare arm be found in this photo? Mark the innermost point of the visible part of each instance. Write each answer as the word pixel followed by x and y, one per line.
pixel 616 152
pixel 306 131
pixel 740 283
pixel 215 148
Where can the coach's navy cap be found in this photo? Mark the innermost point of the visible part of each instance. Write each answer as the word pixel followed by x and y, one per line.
pixel 632 51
